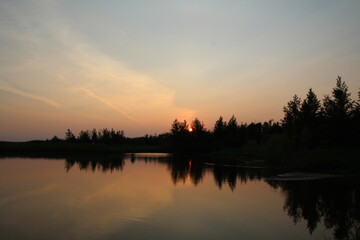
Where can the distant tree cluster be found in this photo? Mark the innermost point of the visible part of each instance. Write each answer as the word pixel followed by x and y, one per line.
pixel 104 136
pixel 151 140
pixel 195 137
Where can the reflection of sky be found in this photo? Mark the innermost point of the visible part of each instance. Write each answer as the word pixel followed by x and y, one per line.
pixel 39 199
pixel 138 65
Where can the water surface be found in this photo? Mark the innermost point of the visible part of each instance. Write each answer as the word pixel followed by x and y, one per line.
pixel 157 197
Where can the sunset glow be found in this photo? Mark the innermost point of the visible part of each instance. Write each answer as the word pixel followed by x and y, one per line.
pixel 84 65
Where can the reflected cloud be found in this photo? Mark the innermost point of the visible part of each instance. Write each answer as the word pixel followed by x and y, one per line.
pixel 28 193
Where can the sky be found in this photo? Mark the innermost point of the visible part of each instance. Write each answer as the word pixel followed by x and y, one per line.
pixel 137 65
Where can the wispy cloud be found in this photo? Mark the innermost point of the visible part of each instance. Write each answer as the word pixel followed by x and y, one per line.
pixel 55 60
pixel 32 96
pixel 108 104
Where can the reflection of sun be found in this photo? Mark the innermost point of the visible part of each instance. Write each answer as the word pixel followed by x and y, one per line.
pixel 190 129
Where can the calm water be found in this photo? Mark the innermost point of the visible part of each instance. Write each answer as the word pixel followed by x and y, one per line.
pixel 156 197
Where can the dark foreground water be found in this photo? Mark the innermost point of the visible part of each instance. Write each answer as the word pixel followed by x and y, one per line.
pixel 156 197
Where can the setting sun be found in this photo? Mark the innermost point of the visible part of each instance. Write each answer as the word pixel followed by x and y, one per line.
pixel 190 129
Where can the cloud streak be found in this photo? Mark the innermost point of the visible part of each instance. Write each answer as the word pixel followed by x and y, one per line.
pixel 108 104
pixel 95 88
pixel 47 101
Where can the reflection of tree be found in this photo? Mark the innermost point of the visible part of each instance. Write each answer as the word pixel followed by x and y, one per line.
pixel 96 163
pixel 225 175
pixel 334 202
pixel 182 169
pixel 108 163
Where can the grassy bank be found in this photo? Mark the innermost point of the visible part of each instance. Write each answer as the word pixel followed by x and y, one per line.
pixel 278 151
pixel 335 160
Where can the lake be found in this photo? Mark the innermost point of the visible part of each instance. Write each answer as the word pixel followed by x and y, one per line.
pixel 156 196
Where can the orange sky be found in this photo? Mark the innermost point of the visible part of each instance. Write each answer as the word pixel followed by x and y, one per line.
pixel 137 67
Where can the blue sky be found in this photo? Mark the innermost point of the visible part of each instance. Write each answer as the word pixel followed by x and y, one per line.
pixel 138 65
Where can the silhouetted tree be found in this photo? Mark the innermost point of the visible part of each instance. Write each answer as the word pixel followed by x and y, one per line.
pixel 310 112
pixel 219 127
pixel 354 125
pixel 356 112
pixel 69 136
pixel 232 124
pixel 84 136
pixel 231 133
pixel 219 133
pixel 271 127
pixel 117 136
pixel 310 108
pixel 198 127
pixel 199 138
pixel 105 136
pixel 94 136
pixel 180 136
pixel 339 106
pixel 292 111
pixel 337 111
pixel 179 127
pixel 254 131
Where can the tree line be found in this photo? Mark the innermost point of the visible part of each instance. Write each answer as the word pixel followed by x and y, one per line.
pixel 307 123
pixel 103 136
pixel 332 121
